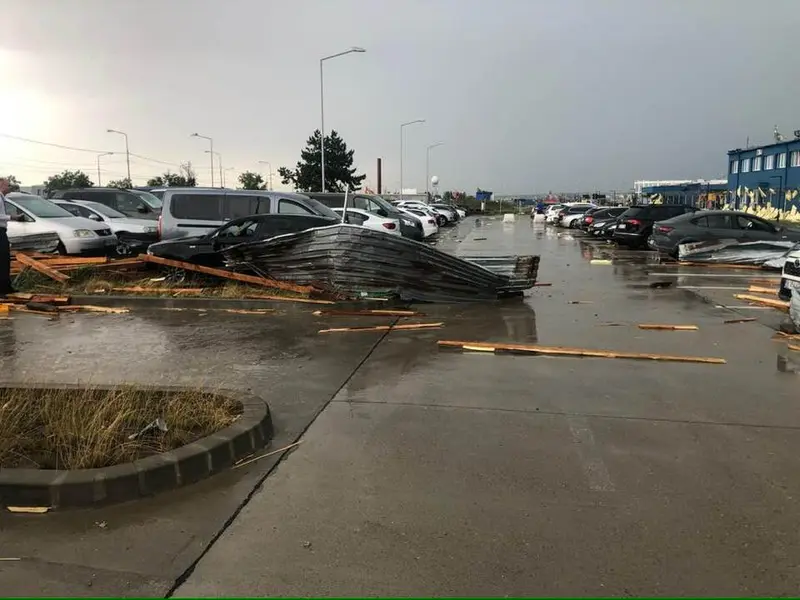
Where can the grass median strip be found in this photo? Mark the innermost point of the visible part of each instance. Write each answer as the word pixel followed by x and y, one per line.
pixel 578 352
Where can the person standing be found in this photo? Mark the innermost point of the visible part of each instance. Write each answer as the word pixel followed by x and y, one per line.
pixel 5 248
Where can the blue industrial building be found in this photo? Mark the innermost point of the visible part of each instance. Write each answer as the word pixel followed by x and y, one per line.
pixel 766 175
pixel 694 192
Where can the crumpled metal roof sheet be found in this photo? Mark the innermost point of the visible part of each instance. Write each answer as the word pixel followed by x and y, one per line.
pixel 766 253
pixel 351 260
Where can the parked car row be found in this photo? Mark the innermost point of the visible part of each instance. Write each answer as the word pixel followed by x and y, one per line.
pixel 664 227
pixel 127 222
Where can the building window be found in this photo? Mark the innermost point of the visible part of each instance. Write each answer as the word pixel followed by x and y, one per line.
pixel 734 166
pixel 757 163
pixel 782 160
pixel 795 160
pixel 745 165
pixel 769 162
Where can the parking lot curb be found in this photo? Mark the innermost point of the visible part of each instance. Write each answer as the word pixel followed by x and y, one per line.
pixel 57 489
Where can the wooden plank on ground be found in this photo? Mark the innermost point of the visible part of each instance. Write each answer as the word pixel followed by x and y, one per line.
pixel 740 320
pixel 136 289
pixel 368 313
pixel 656 327
pixel 779 304
pixel 262 281
pixel 410 326
pixel 561 351
pixel 91 308
pixel 42 268
pixel 762 290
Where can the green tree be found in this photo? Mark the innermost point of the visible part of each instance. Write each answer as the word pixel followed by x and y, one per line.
pixel 66 180
pixel 13 183
pixel 186 177
pixel 339 171
pixel 123 184
pixel 447 197
pixel 252 181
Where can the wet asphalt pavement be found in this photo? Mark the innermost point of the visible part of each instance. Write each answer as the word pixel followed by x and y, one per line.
pixel 425 472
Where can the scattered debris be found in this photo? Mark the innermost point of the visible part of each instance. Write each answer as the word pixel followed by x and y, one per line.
pixel 661 284
pixel 244 462
pixel 33 510
pixel 157 290
pixel 731 253
pixel 263 281
pixel 580 302
pixel 307 545
pixel 91 308
pixel 772 302
pixel 41 267
pixel 410 326
pixel 668 327
pixel 356 261
pixel 479 239
pixel 741 320
pixel 542 284
pixel 245 311
pixel 560 351
pixel 600 261
pixel 101 524
pixel 158 424
pixel 9 559
pixel 368 313
pixel 613 324
pixel 762 290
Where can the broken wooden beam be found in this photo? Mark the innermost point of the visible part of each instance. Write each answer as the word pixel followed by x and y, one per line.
pixel 740 320
pixel 779 304
pixel 136 289
pixel 91 308
pixel 657 327
pixel 584 352
pixel 368 313
pixel 42 268
pixel 262 281
pixel 409 326
pixel 762 290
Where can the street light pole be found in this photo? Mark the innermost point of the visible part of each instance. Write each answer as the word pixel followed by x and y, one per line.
pixel 127 151
pixel 219 163
pixel 428 167
pixel 322 108
pixel 269 173
pixel 99 181
pixel 210 152
pixel 402 125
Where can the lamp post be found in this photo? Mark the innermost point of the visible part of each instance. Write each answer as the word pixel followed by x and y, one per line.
pixel 322 107
pixel 210 152
pixel 269 173
pixel 127 151
pixel 428 168
pixel 402 125
pixel 99 181
pixel 219 163
pixel 225 171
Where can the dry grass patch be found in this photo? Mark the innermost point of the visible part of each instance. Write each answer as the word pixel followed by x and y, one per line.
pixel 90 428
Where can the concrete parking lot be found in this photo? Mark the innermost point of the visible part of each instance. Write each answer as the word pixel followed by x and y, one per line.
pixel 424 472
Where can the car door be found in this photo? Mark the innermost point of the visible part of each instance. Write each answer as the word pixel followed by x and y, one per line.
pixel 716 227
pixel 756 230
pixel 21 223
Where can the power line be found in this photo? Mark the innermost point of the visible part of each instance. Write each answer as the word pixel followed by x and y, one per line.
pixel 62 146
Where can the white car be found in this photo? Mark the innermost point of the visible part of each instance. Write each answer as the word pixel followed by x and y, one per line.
pixel 574 213
pixel 443 216
pixel 427 217
pixel 77 235
pixel 551 212
pixel 363 218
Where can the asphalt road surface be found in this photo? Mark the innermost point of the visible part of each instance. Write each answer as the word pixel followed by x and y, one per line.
pixel 424 472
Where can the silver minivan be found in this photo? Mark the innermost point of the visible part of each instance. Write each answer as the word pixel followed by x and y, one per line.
pixel 195 211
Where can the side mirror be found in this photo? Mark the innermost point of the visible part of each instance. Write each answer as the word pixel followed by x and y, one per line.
pixel 95 217
pixel 142 209
pixel 20 218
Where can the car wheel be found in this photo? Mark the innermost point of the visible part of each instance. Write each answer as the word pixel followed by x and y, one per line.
pixel 441 221
pixel 123 248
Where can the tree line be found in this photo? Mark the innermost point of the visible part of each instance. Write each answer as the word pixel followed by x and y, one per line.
pixel 306 176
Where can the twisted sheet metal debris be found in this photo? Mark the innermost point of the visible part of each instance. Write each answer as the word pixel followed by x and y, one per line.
pixel 768 254
pixel 351 260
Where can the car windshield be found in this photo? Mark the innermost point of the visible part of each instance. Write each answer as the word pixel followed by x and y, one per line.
pixel 39 207
pixel 104 210
pixel 151 200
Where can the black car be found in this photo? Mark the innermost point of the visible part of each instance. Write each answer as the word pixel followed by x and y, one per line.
pixel 711 225
pixel 636 224
pixel 138 204
pixel 593 221
pixel 205 249
pixel 410 226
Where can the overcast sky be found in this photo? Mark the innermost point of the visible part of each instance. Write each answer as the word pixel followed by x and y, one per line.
pixel 526 95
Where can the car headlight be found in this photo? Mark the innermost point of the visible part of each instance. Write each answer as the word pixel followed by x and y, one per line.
pixel 83 233
pixel 150 229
